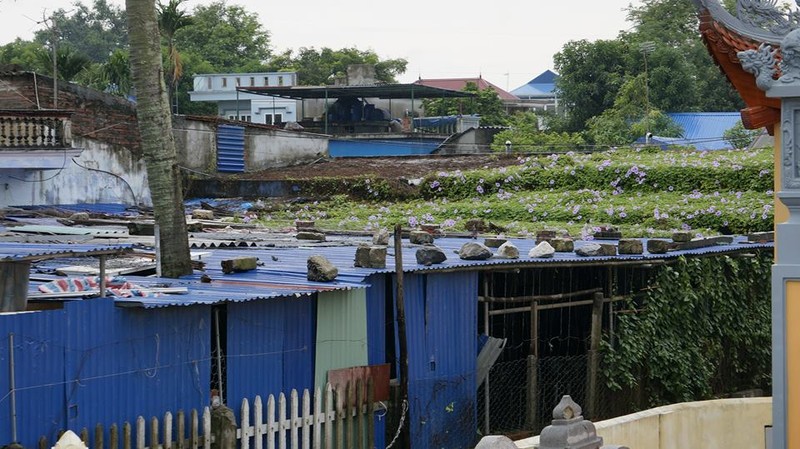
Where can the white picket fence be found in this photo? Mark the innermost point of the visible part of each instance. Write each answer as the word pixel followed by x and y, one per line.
pixel 342 418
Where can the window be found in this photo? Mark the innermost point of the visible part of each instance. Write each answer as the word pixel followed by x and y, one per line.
pixel 280 81
pixel 238 82
pixel 266 81
pixel 208 80
pixel 252 81
pixel 224 82
pixel 278 119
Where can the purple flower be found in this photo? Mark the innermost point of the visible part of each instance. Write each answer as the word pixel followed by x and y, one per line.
pixel 479 189
pixel 434 184
pixel 413 222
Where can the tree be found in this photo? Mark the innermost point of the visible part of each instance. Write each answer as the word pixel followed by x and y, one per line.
pixel 26 54
pixel 69 64
pixel 228 37
pixel 158 145
pixel 591 74
pixel 485 103
pixel 319 67
pixel 171 19
pixel 94 32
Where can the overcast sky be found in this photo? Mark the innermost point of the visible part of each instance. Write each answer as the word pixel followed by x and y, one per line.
pixel 508 42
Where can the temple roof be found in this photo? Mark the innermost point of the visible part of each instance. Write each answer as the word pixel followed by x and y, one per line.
pixel 725 36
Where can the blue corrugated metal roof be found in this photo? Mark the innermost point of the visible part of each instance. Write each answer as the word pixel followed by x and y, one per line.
pixel 703 130
pixel 284 270
pixel 541 86
pixel 22 251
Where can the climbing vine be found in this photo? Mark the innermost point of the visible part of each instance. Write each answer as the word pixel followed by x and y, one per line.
pixel 702 330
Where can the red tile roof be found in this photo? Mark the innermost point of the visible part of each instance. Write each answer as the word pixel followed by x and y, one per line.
pixel 461 83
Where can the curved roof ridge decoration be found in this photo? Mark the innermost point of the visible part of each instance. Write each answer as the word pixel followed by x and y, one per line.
pixel 748 42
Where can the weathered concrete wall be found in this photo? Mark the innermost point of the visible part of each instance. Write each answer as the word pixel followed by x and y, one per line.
pixel 103 173
pixel 717 424
pixel 276 148
pixel 195 144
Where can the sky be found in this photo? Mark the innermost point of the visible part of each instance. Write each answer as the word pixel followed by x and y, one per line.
pixel 507 43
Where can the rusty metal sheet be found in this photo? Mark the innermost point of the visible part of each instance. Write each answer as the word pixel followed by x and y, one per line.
pixel 378 373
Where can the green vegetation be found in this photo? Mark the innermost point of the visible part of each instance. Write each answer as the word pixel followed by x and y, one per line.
pixel 643 192
pixel 688 339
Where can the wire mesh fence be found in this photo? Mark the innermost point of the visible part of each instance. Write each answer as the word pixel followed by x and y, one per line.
pixel 522 393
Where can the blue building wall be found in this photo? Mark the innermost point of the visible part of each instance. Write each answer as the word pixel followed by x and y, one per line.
pixel 270 348
pixel 441 325
pixel 385 147
pixel 92 362
pixel 376 338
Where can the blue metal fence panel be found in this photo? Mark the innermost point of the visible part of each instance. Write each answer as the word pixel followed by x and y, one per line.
pixel 230 149
pixel 441 326
pixel 122 363
pixel 384 147
pixel 39 349
pixel 92 362
pixel 376 337
pixel 270 348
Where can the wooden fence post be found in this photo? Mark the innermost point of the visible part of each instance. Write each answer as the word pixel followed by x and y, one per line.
pixel 98 437
pixel 140 433
pixel 293 420
pixel 167 430
pixel 282 427
pixel 258 413
pixel 306 420
pixel 244 438
pixel 126 435
pixel 180 439
pixel 113 437
pixel 330 416
pixel 271 427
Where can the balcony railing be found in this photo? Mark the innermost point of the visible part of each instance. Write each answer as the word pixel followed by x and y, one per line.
pixel 35 129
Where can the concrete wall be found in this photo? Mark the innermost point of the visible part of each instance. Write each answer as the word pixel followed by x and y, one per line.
pixel 278 148
pixel 264 147
pixel 717 424
pixel 103 173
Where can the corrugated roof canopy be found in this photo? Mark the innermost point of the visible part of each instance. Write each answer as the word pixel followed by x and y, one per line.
pixel 385 91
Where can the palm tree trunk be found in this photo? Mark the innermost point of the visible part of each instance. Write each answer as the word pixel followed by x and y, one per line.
pixel 158 144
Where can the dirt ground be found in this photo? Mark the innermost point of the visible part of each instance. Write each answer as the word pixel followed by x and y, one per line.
pixel 385 167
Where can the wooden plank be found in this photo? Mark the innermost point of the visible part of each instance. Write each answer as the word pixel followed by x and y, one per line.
pixel 283 424
pixel 113 437
pixel 194 430
pixel 126 435
pixel 244 439
pixel 359 414
pixel 271 426
pixel 329 416
pixel 180 438
pixel 258 412
pixel 154 433
pixel 206 428
pixel 294 420
pixel 307 421
pixel 319 418
pixel 167 430
pixel 140 433
pixel 370 417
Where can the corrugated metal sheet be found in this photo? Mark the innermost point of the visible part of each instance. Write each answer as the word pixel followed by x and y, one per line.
pixel 442 346
pixel 382 147
pixel 270 348
pixel 39 352
pixel 705 130
pixel 94 363
pixel 341 332
pixel 21 251
pixel 377 324
pixel 230 149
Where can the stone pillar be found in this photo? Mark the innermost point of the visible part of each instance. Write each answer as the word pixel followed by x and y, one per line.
pixel 223 428
pixel 786 271
pixel 569 430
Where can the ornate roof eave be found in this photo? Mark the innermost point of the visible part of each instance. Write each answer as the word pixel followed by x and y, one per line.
pixel 725 36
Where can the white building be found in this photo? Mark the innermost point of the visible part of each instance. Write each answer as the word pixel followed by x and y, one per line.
pixel 233 105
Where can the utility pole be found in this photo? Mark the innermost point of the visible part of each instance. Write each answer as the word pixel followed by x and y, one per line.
pixel 647 48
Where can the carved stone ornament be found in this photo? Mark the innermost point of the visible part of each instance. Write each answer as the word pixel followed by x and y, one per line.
pixel 768 15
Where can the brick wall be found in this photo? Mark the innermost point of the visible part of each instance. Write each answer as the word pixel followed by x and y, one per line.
pixel 97 115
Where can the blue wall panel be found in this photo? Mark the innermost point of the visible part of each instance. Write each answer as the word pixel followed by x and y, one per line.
pixel 39 349
pixel 376 337
pixel 270 348
pixel 386 147
pixel 441 323
pixel 127 362
pixel 95 363
pixel 230 149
